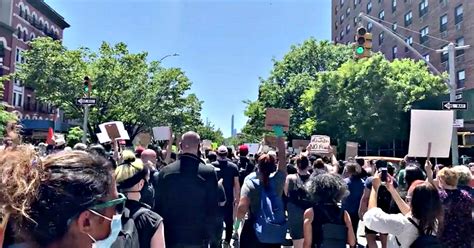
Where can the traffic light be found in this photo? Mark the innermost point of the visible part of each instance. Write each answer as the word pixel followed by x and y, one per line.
pixel 363 45
pixel 87 86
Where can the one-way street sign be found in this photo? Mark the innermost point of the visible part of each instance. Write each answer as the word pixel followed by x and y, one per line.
pixel 455 105
pixel 86 101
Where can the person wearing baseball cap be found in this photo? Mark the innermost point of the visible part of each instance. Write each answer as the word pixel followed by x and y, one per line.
pixel 229 173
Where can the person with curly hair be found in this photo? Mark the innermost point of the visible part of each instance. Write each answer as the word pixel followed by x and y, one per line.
pixel 67 200
pixel 326 224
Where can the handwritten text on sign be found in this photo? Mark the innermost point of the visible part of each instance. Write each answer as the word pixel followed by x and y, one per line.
pixel 320 144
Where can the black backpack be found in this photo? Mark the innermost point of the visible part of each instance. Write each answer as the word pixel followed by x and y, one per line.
pixel 299 195
pixel 334 232
pixel 424 240
pixel 128 236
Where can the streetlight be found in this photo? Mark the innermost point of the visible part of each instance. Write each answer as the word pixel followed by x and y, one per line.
pixel 169 55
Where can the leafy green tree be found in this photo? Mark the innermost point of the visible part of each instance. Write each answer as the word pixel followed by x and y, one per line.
pixel 209 132
pixel 369 99
pixel 74 136
pixel 127 87
pixel 288 81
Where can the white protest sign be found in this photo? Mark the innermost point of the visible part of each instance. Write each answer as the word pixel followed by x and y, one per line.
pixel 320 144
pixel 431 126
pixel 103 138
pixel 207 144
pixel 114 130
pixel 253 147
pixel 161 133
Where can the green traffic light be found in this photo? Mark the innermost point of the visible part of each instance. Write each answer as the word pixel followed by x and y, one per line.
pixel 359 50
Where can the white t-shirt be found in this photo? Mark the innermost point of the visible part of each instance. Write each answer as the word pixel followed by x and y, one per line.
pixel 396 225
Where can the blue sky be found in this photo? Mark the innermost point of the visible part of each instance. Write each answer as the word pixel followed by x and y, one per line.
pixel 224 46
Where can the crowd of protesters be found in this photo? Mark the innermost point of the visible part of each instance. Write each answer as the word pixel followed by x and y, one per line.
pixel 110 196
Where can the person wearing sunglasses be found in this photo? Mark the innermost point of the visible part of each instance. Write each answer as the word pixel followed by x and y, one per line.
pixel 66 200
pixel 131 180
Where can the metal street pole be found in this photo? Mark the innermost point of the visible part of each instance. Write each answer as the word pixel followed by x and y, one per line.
pixel 84 124
pixel 452 98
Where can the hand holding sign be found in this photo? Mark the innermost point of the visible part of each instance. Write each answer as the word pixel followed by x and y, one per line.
pixel 277 117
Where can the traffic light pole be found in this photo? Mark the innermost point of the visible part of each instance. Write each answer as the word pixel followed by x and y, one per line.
pixel 84 124
pixel 452 76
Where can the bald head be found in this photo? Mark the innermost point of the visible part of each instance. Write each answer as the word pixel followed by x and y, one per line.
pixel 149 157
pixel 190 142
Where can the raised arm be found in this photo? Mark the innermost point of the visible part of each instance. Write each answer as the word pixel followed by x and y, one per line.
pixel 281 154
pixel 402 205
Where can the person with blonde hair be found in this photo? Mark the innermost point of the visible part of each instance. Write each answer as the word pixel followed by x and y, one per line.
pixel 131 176
pixel 457 204
pixel 465 178
pixel 67 200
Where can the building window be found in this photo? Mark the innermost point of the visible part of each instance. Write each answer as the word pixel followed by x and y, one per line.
pixel 409 41
pixel 394 52
pixel 14 99
pixel 25 36
pixel 342 2
pixel 21 10
pixel 444 55
pixel 40 26
pixel 427 57
pixel 45 29
pixel 33 20
pixel 461 77
pixel 443 23
pixel 356 20
pixel 423 7
pixel 369 7
pixel 408 18
pixel 20 100
pixel 460 42
pixel 28 103
pixel 458 13
pixel 381 38
pixel 18 33
pixel 341 19
pixel 382 15
pixel 341 35
pixel 369 27
pixel 18 56
pixel 394 26
pixel 424 34
pixel 348 28
pixel 356 2
pixel 348 11
pixel 394 5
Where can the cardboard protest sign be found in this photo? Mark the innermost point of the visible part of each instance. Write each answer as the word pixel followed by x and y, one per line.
pixel 142 139
pixel 320 144
pixel 114 130
pixel 161 133
pixel 277 117
pixel 270 141
pixel 207 144
pixel 430 126
pixel 103 138
pixel 300 143
pixel 352 150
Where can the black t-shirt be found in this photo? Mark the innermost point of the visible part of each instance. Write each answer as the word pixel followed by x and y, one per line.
pixel 227 171
pixel 291 169
pixel 146 223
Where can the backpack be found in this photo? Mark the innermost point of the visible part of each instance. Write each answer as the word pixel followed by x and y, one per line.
pixel 334 233
pixel 299 196
pixel 423 240
pixel 128 236
pixel 270 223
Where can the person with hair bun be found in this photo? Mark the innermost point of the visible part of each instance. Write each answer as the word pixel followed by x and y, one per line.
pixel 269 179
pixel 297 199
pixel 131 176
pixel 67 200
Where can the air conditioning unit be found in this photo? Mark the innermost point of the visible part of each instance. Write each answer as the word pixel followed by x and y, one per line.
pixel 444 34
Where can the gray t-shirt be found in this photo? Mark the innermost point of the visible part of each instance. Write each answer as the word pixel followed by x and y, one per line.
pixel 252 191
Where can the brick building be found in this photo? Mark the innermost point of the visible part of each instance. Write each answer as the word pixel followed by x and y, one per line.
pixel 443 19
pixel 20 22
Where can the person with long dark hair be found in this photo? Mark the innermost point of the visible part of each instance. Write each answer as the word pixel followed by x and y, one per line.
pixel 269 179
pixel 297 200
pixel 425 217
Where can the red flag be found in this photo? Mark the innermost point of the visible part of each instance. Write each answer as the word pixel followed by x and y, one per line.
pixel 50 139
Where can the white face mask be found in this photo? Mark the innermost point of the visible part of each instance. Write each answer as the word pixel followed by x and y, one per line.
pixel 115 227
